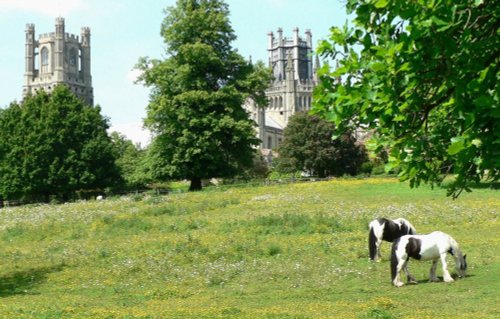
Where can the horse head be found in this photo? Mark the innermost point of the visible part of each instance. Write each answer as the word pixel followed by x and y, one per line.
pixel 461 265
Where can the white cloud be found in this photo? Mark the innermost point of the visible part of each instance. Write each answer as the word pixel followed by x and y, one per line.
pixel 133 131
pixel 133 74
pixel 47 7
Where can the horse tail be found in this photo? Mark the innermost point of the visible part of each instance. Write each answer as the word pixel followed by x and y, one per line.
pixel 394 259
pixel 372 244
pixel 412 230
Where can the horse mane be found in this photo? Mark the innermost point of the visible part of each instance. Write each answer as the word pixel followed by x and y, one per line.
pixel 406 227
pixel 457 253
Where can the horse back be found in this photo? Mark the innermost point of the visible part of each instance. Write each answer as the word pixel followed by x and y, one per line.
pixel 392 231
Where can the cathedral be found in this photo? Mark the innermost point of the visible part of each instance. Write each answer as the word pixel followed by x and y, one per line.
pixel 294 78
pixel 56 58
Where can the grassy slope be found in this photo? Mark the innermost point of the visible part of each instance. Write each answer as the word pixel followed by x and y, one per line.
pixel 293 251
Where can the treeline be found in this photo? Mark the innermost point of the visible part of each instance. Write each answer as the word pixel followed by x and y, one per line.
pixel 54 147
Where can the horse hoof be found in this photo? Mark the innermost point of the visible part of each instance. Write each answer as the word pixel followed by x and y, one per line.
pixel 399 284
pixel 449 280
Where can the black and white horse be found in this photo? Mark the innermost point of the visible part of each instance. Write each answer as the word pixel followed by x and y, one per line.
pixel 388 230
pixel 434 246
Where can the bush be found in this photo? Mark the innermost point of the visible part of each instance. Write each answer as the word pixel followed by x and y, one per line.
pixel 308 146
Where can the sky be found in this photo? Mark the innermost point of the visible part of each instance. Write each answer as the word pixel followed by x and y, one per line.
pixel 122 31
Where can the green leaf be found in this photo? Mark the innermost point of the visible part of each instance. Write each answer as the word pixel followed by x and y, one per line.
pixel 456 146
pixel 477 142
pixel 399 118
pixel 484 101
pixel 439 22
pixel 381 4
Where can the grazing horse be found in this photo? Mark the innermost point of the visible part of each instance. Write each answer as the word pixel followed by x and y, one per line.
pixel 433 246
pixel 388 230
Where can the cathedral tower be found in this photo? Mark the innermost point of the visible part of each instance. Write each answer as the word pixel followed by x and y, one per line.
pixel 56 58
pixel 291 61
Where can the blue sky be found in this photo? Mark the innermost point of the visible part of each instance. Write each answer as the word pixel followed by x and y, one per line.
pixel 124 30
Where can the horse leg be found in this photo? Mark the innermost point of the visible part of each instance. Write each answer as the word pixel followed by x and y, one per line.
pixel 432 275
pixel 410 278
pixel 378 256
pixel 446 274
pixel 397 280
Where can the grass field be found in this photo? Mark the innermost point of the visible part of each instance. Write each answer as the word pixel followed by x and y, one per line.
pixel 286 251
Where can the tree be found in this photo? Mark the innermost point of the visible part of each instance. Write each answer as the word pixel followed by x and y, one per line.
pixel 308 146
pixel 195 111
pixel 54 145
pixel 130 160
pixel 423 75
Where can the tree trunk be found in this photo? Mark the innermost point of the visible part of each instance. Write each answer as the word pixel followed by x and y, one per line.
pixel 195 184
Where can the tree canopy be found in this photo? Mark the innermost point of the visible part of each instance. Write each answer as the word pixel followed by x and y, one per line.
pixel 131 161
pixel 423 75
pixel 308 146
pixel 54 145
pixel 195 111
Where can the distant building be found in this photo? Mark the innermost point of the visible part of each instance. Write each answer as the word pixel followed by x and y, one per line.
pixel 291 60
pixel 56 58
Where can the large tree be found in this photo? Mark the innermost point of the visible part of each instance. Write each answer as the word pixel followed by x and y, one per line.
pixel 195 111
pixel 54 144
pixel 308 146
pixel 423 75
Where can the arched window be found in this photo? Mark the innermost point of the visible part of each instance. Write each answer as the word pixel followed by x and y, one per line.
pixel 80 58
pixel 37 61
pixel 44 57
pixel 73 57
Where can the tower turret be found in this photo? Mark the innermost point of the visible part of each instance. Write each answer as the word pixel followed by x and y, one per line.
pixel 290 89
pixel 29 53
pixel 280 57
pixel 310 71
pixel 296 40
pixel 59 50
pixel 85 63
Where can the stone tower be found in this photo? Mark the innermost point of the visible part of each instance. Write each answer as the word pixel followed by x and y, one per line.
pixel 291 61
pixel 56 58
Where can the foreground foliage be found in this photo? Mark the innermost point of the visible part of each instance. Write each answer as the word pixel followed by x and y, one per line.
pixel 286 251
pixel 423 75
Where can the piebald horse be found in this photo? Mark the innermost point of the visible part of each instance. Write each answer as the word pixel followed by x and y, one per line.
pixel 434 246
pixel 388 230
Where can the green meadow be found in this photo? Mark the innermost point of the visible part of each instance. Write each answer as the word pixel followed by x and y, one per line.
pixel 284 251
